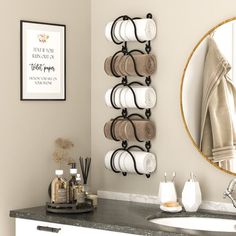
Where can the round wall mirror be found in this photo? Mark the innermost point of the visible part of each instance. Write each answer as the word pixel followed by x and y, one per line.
pixel 208 96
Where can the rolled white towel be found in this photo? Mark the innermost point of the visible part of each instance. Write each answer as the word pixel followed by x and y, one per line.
pixel 108 97
pixel 116 159
pixel 118 97
pixel 146 29
pixel 124 98
pixel 118 32
pixel 145 97
pixel 145 161
pixel 124 30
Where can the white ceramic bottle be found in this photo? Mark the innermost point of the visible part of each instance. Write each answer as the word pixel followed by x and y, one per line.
pixel 191 195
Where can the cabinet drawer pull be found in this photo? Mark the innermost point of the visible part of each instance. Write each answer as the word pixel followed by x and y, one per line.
pixel 48 229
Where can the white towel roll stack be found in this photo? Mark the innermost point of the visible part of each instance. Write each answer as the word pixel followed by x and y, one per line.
pixel 124 30
pixel 145 161
pixel 124 98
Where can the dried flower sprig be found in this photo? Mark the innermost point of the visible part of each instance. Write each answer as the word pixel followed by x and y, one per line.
pixel 62 151
pixel 64 143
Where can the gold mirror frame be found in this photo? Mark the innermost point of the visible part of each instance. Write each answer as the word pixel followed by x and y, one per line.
pixel 181 91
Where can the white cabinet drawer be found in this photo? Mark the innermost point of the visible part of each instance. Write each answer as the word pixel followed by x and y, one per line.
pixel 38 228
pixel 41 228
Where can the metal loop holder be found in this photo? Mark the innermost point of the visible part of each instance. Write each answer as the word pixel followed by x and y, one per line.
pixel 134 162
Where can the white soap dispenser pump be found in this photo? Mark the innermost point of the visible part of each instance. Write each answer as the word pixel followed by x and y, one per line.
pixel 191 195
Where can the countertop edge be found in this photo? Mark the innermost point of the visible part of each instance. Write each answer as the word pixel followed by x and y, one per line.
pixel 86 224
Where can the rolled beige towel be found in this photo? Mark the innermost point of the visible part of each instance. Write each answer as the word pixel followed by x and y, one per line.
pixel 123 65
pixel 107 65
pixel 145 130
pixel 116 129
pixel 123 129
pixel 117 64
pixel 145 63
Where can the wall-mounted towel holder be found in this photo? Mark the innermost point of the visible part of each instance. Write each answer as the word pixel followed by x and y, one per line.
pixel 124 83
pixel 128 151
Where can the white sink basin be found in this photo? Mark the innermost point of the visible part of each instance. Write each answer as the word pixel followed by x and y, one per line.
pixel 198 223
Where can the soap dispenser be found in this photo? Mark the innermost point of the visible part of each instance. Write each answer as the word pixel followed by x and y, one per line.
pixel 191 195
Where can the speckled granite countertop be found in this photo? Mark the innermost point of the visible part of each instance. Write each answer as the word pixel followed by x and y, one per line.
pixel 120 216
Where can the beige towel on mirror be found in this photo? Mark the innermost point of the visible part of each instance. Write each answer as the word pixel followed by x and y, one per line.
pixel 217 136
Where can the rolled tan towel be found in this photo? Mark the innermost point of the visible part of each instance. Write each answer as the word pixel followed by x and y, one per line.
pixel 123 65
pixel 145 63
pixel 107 68
pixel 117 64
pixel 107 65
pixel 123 129
pixel 145 130
pixel 116 129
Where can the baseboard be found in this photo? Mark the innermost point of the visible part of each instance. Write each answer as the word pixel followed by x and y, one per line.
pixel 208 205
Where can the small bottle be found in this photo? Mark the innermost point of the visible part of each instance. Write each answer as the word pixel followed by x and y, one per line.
pixel 59 188
pixel 78 191
pixel 191 195
pixel 72 183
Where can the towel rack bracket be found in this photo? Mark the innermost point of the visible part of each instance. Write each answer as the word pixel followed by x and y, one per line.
pixel 124 112
pixel 148 80
pixel 148 113
pixel 124 144
pixel 148 47
pixel 149 15
pixel 148 146
pixel 124 80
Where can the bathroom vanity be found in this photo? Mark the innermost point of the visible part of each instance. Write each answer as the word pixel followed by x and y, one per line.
pixel 112 217
pixel 32 227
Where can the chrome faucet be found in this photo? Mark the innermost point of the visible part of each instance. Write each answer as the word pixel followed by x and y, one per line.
pixel 230 190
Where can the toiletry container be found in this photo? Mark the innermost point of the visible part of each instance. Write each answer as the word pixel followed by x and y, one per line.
pixel 59 188
pixel 72 183
pixel 79 191
pixel 191 195
pixel 167 192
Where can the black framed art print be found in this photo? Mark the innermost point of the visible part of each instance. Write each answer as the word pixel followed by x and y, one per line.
pixel 43 61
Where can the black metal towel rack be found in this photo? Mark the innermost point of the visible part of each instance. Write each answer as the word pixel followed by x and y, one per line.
pixel 124 83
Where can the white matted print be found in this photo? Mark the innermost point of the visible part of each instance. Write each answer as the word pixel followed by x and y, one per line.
pixel 43 62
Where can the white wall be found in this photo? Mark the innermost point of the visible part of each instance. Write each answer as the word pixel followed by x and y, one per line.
pixel 28 129
pixel 181 24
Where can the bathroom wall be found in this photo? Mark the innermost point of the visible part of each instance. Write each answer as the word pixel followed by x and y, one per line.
pixel 28 128
pixel 180 24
